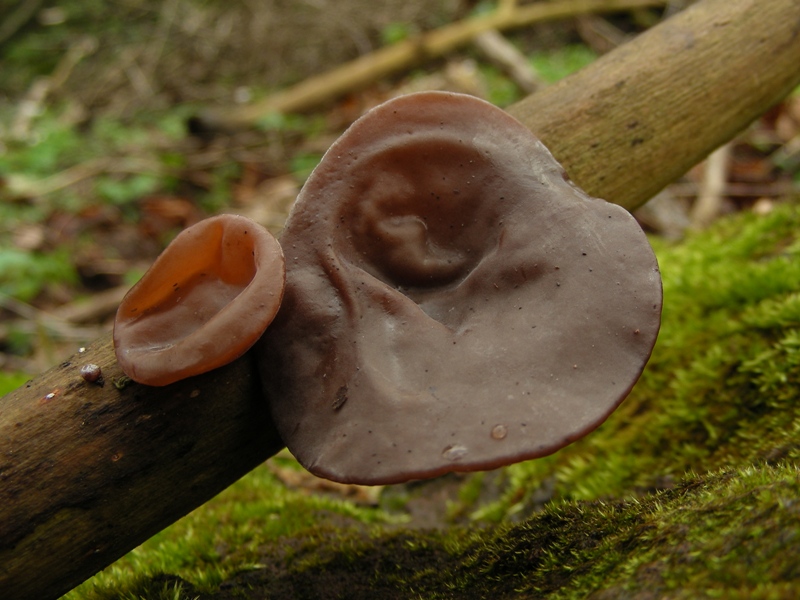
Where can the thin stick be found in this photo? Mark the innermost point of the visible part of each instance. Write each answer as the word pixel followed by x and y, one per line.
pixel 403 55
pixel 504 55
pixel 708 205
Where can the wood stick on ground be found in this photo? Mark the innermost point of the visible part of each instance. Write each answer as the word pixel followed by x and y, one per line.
pixel 709 203
pixel 505 55
pixel 18 18
pixel 32 320
pixel 402 56
pixel 89 472
pixel 96 308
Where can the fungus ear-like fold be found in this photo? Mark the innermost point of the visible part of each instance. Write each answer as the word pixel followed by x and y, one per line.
pixel 453 301
pixel 204 302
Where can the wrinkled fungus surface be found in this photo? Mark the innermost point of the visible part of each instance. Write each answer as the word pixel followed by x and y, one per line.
pixel 203 303
pixel 453 301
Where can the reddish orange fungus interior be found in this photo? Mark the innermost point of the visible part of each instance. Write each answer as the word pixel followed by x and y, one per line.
pixel 203 303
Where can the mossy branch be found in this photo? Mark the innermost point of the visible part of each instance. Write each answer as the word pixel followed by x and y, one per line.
pixel 88 472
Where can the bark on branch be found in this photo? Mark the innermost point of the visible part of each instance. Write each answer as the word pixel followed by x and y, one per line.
pixel 89 472
pixel 644 114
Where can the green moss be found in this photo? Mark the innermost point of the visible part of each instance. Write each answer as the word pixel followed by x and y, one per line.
pixel 694 537
pixel 227 534
pixel 694 540
pixel 554 65
pixel 11 381
pixel 24 274
pixel 689 490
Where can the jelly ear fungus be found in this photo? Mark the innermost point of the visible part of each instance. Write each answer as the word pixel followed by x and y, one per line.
pixel 203 303
pixel 453 301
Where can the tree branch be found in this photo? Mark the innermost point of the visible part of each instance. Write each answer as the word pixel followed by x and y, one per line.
pixel 644 114
pixel 88 472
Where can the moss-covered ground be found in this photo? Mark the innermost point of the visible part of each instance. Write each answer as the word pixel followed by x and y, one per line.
pixel 691 489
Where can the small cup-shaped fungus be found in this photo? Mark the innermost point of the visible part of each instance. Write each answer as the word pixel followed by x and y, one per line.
pixel 453 301
pixel 204 302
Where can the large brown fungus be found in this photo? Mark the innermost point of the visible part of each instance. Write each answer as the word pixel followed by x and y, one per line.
pixel 453 301
pixel 203 303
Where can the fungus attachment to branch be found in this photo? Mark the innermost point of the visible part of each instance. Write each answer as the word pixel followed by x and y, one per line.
pixel 203 303
pixel 453 301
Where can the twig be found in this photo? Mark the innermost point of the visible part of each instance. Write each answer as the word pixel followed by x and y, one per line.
pixel 402 55
pixel 708 205
pixel 505 56
pixel 30 107
pixel 23 187
pixel 599 34
pixel 93 309
pixel 787 157
pixel 17 19
pixel 507 6
pixel 169 13
pixel 55 330
pixel 34 319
